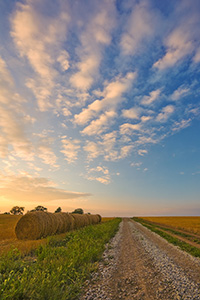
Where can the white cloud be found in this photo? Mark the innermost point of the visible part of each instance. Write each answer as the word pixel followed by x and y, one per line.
pixel 165 113
pixel 70 149
pixel 93 149
pixel 132 113
pixel 146 100
pixel 96 127
pixel 140 27
pixel 128 128
pixel 180 125
pixel 14 118
pixel 96 36
pixel 63 59
pixel 183 40
pixel 112 94
pixel 141 152
pixel 182 91
pixel 104 178
pixel 136 164
pixel 39 38
pixel 145 118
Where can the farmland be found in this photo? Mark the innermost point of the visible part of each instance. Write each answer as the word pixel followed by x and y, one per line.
pixel 137 264
pixel 189 224
pixel 180 231
pixel 56 267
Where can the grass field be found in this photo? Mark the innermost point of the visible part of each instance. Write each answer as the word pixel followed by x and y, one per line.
pixel 190 224
pixel 58 269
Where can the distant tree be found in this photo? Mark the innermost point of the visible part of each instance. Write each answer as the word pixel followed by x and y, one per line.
pixel 6 213
pixel 59 209
pixel 89 213
pixel 78 211
pixel 17 210
pixel 39 208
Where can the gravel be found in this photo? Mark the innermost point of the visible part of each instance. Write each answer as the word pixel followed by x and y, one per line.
pixel 139 264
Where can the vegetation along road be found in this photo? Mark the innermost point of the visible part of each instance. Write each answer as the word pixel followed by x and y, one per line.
pixel 139 264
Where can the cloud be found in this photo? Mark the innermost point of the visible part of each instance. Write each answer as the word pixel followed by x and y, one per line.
pixel 132 113
pixel 181 92
pixel 34 189
pixel 112 96
pixel 140 27
pixel 180 125
pixel 182 41
pixel 165 113
pixel 128 128
pixel 70 149
pixel 146 100
pixel 96 36
pixel 100 125
pixel 38 38
pixel 104 178
pixel 141 152
pixel 14 118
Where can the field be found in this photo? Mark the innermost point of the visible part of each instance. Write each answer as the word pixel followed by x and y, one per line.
pixel 52 268
pixel 189 224
pixel 180 231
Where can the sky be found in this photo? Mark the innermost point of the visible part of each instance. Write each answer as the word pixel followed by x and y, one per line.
pixel 100 106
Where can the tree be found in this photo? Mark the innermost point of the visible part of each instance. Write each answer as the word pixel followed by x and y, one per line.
pixel 17 210
pixel 59 209
pixel 78 211
pixel 39 208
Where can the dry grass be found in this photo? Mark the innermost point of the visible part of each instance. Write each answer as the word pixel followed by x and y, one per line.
pixel 189 224
pixel 106 219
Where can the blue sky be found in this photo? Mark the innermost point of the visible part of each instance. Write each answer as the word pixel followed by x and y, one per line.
pixel 100 106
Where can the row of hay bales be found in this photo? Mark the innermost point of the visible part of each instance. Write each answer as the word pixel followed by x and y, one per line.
pixel 36 225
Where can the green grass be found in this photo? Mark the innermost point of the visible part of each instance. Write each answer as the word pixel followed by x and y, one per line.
pixel 173 240
pixel 57 270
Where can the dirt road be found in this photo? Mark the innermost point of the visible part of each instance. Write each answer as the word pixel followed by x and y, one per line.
pixel 138 264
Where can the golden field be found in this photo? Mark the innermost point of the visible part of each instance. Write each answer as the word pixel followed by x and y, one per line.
pixel 189 224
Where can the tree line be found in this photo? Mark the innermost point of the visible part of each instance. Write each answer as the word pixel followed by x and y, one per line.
pixel 19 210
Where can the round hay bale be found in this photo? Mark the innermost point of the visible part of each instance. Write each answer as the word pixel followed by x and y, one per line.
pixel 36 225
pixel 100 218
pixel 66 222
pixel 89 219
pixel 95 219
pixel 80 220
pixel 32 226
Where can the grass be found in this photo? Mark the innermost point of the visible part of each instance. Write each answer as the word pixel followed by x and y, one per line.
pixel 58 269
pixel 173 240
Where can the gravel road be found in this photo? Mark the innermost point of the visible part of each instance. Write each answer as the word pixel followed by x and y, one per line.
pixel 138 264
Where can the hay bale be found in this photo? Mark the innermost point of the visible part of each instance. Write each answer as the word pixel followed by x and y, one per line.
pixel 36 225
pixel 94 219
pixel 39 224
pixel 66 222
pixel 100 218
pixel 32 226
pixel 80 220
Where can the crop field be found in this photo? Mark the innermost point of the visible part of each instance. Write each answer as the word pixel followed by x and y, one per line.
pixel 189 224
pixel 57 266
pixel 180 231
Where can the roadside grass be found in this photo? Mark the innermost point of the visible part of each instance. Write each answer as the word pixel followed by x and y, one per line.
pixel 175 241
pixel 58 269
